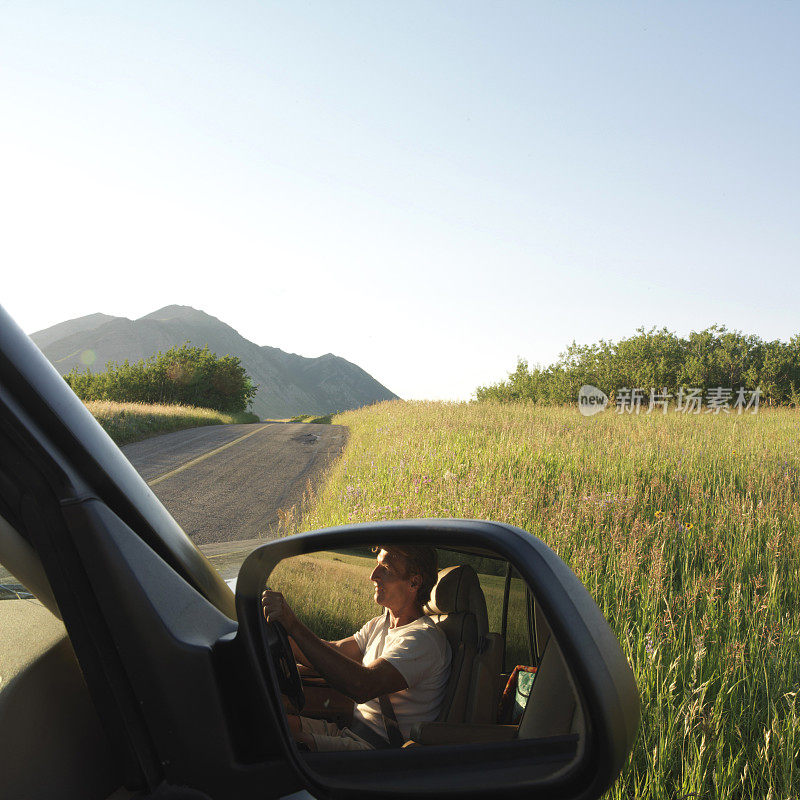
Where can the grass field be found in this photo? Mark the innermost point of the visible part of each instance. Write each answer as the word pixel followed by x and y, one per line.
pixel 130 422
pixel 683 528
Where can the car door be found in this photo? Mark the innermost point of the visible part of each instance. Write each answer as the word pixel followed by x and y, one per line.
pixel 150 622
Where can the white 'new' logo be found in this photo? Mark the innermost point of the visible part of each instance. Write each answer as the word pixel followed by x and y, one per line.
pixel 591 400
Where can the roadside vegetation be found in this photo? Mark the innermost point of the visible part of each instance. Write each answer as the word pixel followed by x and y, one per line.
pixel 659 359
pixel 684 528
pixel 185 375
pixel 323 420
pixel 130 422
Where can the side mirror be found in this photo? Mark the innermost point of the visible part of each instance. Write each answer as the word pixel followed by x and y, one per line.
pixel 580 720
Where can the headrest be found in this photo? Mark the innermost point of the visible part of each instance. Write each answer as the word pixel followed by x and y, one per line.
pixel 459 591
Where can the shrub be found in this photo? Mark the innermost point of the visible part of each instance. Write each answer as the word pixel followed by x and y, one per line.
pixel 657 359
pixel 184 375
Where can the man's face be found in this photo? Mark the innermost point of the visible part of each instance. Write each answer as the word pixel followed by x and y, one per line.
pixel 393 587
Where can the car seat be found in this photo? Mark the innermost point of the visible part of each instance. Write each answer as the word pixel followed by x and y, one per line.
pixel 458 608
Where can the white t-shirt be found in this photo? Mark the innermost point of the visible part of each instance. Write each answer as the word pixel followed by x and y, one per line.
pixel 420 653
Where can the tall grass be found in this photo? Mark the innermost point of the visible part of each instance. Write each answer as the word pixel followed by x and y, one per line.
pixel 683 528
pixel 131 422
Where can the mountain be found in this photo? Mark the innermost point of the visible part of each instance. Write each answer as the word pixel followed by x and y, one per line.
pixel 64 329
pixel 288 384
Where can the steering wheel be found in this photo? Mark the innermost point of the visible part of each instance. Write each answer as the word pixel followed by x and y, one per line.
pixel 279 651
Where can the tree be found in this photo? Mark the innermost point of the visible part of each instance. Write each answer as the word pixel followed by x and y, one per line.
pixel 656 359
pixel 182 375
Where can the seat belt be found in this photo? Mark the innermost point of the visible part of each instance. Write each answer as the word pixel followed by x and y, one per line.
pixel 369 735
pixel 396 738
pixel 389 719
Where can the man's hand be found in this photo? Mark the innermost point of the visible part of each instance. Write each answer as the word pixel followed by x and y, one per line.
pixel 338 662
pixel 276 609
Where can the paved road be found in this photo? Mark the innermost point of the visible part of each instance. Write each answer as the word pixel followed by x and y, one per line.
pixel 225 483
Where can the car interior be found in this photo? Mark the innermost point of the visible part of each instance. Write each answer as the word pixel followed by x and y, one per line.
pixel 482 702
pixel 44 700
pixel 43 682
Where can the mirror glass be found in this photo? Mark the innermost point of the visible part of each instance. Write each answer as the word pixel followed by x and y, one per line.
pixel 416 647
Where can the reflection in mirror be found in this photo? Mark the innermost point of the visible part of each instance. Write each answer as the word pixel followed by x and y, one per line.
pixel 411 646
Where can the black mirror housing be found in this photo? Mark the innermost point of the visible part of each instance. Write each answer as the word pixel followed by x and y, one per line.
pixel 551 767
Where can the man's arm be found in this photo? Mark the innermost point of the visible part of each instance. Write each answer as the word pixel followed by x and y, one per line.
pixel 347 646
pixel 332 660
pixel 299 657
pixel 358 681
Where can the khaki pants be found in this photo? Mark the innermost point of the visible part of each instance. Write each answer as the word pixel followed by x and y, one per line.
pixel 329 736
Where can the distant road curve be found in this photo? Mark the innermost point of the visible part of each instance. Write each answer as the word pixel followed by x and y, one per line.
pixel 226 483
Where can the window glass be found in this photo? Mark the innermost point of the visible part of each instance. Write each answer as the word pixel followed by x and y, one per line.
pixel 518 650
pixel 228 557
pixel 332 593
pixel 11 588
pixel 516 642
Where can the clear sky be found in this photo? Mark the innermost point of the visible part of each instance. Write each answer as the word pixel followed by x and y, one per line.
pixel 428 189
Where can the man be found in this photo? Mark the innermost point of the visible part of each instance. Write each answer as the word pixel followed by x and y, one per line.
pixel 400 656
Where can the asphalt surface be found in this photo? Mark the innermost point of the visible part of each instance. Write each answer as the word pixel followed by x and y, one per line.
pixel 227 483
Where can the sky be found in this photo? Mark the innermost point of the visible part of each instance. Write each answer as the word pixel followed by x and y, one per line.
pixel 430 190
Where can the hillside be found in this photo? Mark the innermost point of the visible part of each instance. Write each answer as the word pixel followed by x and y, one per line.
pixel 289 384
